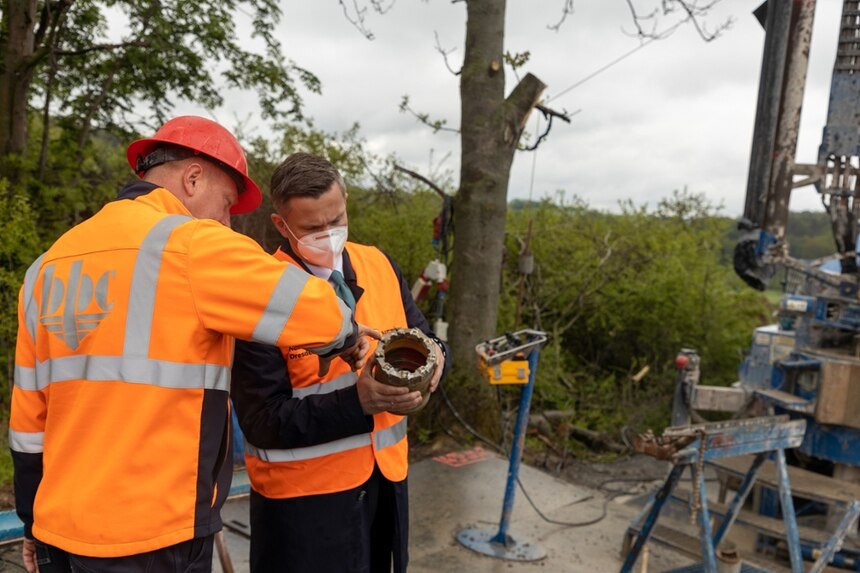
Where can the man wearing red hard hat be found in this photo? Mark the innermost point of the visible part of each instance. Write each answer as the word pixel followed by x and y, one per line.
pixel 189 137
pixel 119 428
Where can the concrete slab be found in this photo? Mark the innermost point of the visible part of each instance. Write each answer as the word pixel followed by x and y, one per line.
pixel 446 499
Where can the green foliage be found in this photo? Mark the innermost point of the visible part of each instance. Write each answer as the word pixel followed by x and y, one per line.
pixel 78 181
pixel 19 246
pixel 518 59
pixel 810 235
pixel 618 293
pixel 172 50
pixel 398 222
pixel 6 469
pixel 345 150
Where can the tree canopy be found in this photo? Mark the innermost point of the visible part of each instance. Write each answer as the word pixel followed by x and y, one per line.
pixel 116 64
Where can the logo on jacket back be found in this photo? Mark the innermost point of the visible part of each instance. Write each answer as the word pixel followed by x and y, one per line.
pixel 75 305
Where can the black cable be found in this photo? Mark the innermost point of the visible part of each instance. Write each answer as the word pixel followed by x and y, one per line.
pixel 565 523
pixel 612 494
pixel 466 425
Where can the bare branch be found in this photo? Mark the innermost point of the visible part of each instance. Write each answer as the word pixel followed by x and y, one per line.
pixel 549 114
pixel 437 124
pixel 445 53
pixel 638 19
pixel 379 6
pixel 358 20
pixel 566 11
pixel 101 48
pixel 420 177
pixel 384 186
pixel 695 11
pixel 357 14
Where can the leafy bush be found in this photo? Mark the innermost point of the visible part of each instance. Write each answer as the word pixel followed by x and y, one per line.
pixel 19 246
pixel 619 293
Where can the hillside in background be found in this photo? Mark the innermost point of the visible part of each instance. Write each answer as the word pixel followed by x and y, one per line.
pixel 809 235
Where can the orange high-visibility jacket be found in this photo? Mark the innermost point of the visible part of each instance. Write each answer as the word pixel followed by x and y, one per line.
pixel 347 462
pixel 122 371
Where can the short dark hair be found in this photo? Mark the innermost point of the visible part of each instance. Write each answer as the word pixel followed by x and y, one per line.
pixel 303 175
pixel 168 152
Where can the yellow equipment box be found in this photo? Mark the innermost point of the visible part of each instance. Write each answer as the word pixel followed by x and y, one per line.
pixel 507 372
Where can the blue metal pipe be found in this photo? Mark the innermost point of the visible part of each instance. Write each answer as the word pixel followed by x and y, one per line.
pixel 741 495
pixel 792 537
pixel 811 553
pixel 516 450
pixel 651 519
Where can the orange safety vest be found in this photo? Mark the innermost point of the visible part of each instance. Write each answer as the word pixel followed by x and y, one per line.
pixel 122 371
pixel 348 462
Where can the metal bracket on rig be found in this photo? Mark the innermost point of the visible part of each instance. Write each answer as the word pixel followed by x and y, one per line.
pixel 504 360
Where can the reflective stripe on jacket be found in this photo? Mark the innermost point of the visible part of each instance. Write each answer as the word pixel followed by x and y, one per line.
pixel 346 462
pixel 122 372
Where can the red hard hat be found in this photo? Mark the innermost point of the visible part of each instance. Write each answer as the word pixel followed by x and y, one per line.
pixel 208 139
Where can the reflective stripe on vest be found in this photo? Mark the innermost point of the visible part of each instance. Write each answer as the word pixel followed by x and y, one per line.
pixel 133 369
pixel 383 439
pixel 343 381
pixel 390 435
pixel 281 305
pixel 345 330
pixel 141 298
pixel 133 366
pixel 25 378
pixel 299 454
pixel 26 442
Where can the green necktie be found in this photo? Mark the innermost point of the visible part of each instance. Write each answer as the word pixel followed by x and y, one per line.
pixel 342 290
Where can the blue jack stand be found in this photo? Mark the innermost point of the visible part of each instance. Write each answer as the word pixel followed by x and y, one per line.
pixel 501 544
pixel 692 446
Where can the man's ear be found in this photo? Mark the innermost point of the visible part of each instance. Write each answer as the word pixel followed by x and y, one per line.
pixel 192 176
pixel 280 225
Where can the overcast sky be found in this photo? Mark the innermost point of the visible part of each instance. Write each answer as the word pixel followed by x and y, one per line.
pixel 678 112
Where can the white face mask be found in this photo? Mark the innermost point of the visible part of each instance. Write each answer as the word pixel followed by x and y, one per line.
pixel 322 248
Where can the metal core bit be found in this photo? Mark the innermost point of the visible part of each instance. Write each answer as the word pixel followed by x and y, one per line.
pixel 406 357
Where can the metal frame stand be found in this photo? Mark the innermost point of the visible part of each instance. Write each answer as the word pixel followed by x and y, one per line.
pixel 759 436
pixel 501 544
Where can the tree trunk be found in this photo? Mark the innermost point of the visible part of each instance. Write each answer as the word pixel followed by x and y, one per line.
pixel 16 72
pixel 490 129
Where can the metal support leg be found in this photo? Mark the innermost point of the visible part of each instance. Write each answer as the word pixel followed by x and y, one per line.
pixel 710 560
pixel 501 544
pixel 791 534
pixel 651 518
pixel 516 451
pixel 740 497
pixel 832 546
